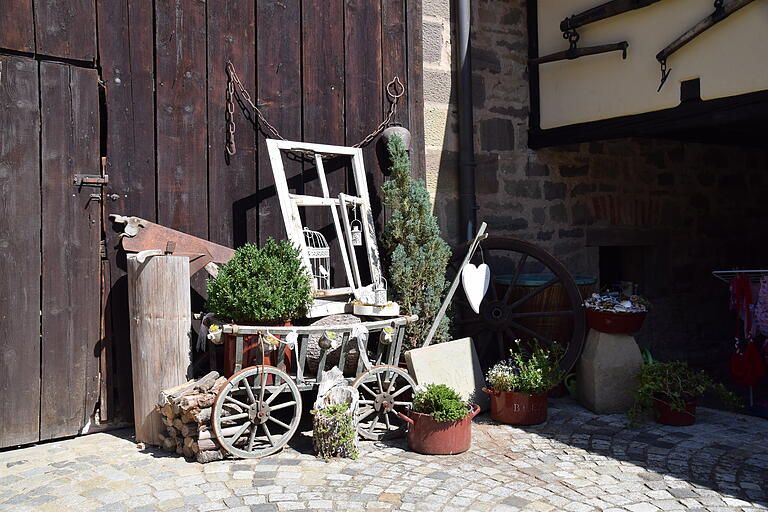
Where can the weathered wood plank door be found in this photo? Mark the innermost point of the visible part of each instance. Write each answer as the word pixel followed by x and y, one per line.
pixel 50 231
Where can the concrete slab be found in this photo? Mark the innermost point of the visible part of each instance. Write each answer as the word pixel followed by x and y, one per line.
pixel 455 364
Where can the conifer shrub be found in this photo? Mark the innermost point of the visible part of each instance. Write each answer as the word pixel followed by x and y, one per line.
pixel 415 254
pixel 261 285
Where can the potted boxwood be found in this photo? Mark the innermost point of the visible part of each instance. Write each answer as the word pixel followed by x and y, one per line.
pixel 670 390
pixel 519 385
pixel 259 286
pixel 440 422
pixel 615 313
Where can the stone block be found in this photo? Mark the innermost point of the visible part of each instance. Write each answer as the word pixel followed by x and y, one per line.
pixel 497 134
pixel 524 188
pixel 455 364
pixel 432 42
pixel 607 371
pixel 554 190
pixel 536 169
pixel 569 171
pixel 558 213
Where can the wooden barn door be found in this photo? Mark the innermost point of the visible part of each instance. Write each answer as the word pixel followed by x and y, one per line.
pixel 50 229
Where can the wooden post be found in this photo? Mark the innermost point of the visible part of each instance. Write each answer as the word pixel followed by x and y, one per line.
pixel 160 321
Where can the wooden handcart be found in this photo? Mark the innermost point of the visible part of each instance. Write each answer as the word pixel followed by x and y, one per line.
pixel 259 409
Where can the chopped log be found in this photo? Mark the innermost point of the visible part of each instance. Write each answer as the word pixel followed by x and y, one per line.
pixel 189 429
pixel 166 421
pixel 192 386
pixel 208 434
pixel 180 448
pixel 209 456
pixel 204 416
pixel 189 416
pixel 178 424
pixel 167 411
pixel 207 444
pixel 191 445
pixel 169 444
pixel 198 401
pixel 160 314
pixel 172 431
pixel 218 385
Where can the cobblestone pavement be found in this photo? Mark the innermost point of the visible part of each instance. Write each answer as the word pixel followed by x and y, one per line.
pixel 576 462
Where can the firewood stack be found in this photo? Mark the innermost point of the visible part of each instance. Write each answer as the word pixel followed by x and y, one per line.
pixel 186 412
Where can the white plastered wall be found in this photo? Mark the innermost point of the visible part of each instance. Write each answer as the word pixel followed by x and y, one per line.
pixel 730 58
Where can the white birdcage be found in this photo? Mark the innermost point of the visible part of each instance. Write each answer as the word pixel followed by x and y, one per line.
pixel 319 258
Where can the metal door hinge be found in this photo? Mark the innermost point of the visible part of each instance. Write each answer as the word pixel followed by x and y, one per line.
pixel 90 180
pixel 103 248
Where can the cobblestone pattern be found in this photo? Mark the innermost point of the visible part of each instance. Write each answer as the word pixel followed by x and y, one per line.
pixel 575 462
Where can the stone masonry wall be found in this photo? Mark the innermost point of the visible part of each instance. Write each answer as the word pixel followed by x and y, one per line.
pixel 704 203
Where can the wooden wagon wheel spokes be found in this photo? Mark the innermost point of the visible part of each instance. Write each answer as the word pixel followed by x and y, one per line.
pixel 519 302
pixel 256 412
pixel 384 392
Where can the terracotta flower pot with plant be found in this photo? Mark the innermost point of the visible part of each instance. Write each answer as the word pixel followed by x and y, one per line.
pixel 671 390
pixel 259 286
pixel 519 385
pixel 440 422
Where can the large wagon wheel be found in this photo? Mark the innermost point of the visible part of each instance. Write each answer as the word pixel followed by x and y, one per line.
pixel 384 392
pixel 510 311
pixel 256 412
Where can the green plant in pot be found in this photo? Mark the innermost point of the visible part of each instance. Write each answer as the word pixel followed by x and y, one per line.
pixel 440 422
pixel 519 385
pixel 670 390
pixel 259 286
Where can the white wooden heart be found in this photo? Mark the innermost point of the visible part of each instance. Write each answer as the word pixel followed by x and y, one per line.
pixel 476 281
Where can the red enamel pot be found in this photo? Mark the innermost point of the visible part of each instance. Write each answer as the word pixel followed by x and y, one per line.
pixel 615 323
pixel 515 408
pixel 668 416
pixel 431 437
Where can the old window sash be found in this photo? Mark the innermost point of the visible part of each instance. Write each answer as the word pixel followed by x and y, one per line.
pixel 289 205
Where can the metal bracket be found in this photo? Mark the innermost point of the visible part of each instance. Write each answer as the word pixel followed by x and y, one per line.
pixel 90 180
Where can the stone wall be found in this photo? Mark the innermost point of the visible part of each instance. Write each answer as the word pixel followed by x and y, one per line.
pixel 695 207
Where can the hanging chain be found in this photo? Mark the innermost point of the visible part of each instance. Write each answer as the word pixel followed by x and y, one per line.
pixel 718 5
pixel 395 90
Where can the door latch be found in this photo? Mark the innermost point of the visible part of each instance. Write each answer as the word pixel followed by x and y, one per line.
pixel 90 180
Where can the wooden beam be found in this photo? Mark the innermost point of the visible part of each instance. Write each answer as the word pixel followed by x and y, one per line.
pixel 710 21
pixel 575 53
pixel 603 11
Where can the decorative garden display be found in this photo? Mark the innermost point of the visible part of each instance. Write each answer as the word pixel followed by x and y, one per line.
pixel 519 385
pixel 333 432
pixel 415 254
pixel 440 422
pixel 616 314
pixel 259 286
pixel 670 390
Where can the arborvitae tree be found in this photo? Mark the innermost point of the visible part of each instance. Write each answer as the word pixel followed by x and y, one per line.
pixel 416 255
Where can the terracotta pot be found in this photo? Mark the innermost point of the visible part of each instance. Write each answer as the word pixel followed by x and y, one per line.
pixel 252 353
pixel 615 323
pixel 667 416
pixel 515 408
pixel 425 435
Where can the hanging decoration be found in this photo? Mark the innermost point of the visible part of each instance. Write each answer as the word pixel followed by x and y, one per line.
pixel 722 11
pixel 394 90
pixel 476 280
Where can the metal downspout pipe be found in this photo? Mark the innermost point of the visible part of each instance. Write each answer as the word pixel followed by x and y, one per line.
pixel 468 201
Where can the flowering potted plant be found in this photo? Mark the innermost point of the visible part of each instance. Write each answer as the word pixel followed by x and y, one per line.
pixel 670 390
pixel 519 385
pixel 440 422
pixel 259 286
pixel 616 314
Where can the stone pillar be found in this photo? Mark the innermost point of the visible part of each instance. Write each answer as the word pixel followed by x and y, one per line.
pixel 607 371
